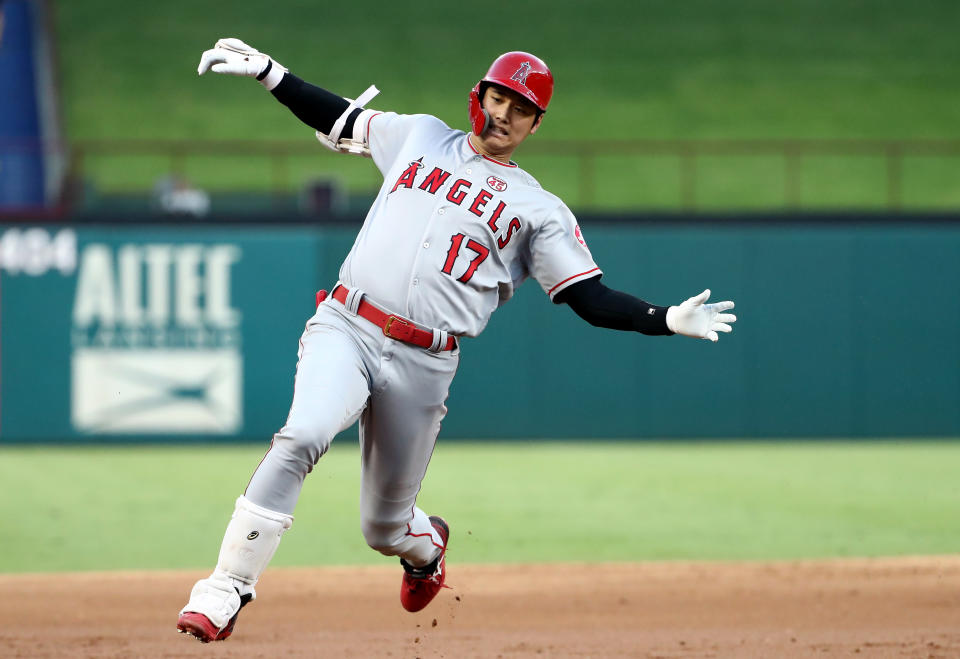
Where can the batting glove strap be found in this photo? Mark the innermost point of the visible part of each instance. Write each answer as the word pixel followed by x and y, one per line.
pixel 271 76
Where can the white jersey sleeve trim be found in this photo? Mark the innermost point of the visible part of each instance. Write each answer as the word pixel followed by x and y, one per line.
pixel 361 127
pixel 573 279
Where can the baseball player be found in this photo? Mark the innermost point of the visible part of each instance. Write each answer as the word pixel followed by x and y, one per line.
pixel 455 228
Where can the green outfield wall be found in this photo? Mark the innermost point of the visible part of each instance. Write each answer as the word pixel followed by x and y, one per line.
pixel 137 332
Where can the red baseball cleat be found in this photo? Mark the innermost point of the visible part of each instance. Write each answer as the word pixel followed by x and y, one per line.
pixel 421 584
pixel 201 628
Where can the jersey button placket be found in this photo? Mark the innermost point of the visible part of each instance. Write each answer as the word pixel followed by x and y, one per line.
pixel 417 267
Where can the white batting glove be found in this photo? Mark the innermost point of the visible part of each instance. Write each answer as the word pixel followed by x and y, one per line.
pixel 699 320
pixel 234 57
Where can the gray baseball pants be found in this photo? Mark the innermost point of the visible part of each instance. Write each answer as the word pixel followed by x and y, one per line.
pixel 348 370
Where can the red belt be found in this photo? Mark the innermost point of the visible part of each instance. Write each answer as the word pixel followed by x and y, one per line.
pixel 393 326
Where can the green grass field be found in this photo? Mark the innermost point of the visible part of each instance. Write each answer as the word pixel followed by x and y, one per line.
pixel 166 507
pixel 624 68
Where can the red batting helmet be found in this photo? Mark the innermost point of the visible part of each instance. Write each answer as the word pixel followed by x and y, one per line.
pixel 524 73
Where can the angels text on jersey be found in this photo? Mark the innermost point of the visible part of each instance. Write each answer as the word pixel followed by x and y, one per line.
pixel 481 202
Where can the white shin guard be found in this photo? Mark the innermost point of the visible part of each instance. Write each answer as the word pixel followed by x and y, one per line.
pixel 251 539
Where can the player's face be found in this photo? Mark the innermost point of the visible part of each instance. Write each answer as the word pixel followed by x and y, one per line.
pixel 512 119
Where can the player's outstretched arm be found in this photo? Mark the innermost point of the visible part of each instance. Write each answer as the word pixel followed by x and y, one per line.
pixel 604 307
pixel 329 114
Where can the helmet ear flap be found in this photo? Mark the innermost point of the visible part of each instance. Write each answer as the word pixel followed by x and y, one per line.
pixel 479 118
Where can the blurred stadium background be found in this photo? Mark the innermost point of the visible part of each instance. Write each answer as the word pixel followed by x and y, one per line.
pixel 162 236
pixel 693 106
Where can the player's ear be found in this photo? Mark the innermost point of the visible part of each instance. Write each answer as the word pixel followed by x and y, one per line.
pixel 536 123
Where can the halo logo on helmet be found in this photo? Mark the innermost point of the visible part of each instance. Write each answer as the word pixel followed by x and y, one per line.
pixel 526 74
pixel 521 74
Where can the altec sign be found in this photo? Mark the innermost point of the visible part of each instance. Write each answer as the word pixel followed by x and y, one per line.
pixel 156 342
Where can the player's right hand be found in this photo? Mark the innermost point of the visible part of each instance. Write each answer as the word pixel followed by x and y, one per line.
pixel 233 57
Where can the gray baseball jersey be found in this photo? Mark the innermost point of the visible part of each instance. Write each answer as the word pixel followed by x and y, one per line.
pixel 452 233
pixel 449 237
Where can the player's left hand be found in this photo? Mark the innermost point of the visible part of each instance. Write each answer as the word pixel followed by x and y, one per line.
pixel 699 320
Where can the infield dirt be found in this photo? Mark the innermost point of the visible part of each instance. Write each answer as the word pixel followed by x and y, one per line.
pixel 905 607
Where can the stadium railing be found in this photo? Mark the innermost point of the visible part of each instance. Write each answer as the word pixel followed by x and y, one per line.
pixel 785 167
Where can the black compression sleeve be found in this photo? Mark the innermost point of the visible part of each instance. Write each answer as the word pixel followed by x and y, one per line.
pixel 314 105
pixel 604 307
